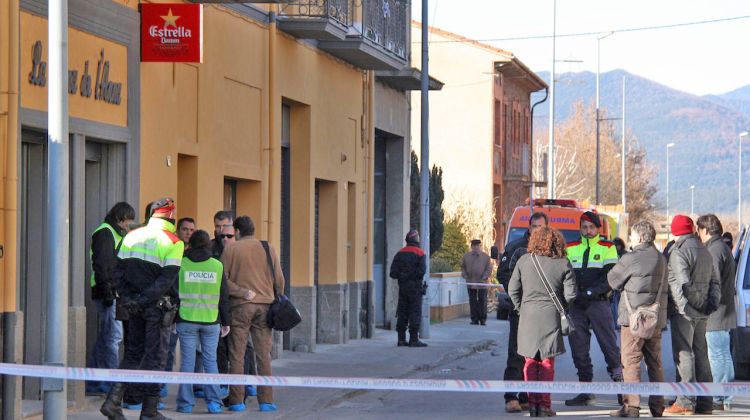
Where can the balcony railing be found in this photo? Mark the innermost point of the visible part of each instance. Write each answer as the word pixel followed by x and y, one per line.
pixel 339 11
pixel 385 23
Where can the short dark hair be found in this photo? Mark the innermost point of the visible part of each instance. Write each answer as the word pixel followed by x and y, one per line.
pixel 245 225
pixel 183 220
pixel 539 215
pixel 645 231
pixel 223 215
pixel 711 223
pixel 200 240
pixel 147 212
pixel 119 212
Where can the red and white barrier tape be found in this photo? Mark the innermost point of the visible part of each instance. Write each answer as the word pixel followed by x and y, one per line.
pixel 451 385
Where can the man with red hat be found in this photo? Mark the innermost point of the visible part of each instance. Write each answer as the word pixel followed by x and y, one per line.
pixel 148 267
pixel 694 293
pixel 408 267
pixel 592 258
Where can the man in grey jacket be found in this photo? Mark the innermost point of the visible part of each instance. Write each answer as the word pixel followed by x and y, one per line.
pixel 641 277
pixel 725 317
pixel 476 267
pixel 694 293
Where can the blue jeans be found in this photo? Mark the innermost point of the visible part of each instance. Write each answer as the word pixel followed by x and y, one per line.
pixel 106 351
pixel 720 357
pixel 190 335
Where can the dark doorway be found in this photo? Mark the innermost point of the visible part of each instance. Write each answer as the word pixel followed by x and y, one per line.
pixel 379 230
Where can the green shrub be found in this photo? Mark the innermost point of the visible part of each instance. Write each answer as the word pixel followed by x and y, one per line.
pixel 455 244
pixel 440 265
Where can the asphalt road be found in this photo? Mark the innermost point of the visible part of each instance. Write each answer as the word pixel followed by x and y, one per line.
pixel 457 351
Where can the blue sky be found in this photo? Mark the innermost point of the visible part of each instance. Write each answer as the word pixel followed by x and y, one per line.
pixel 700 59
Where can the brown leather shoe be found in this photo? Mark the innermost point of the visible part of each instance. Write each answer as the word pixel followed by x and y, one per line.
pixel 513 406
pixel 626 411
pixel 678 410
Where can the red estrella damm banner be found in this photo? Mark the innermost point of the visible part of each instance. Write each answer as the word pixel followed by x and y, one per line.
pixel 172 32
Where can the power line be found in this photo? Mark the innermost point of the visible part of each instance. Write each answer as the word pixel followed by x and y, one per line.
pixel 580 34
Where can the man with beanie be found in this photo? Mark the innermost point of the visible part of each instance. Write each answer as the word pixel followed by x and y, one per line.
pixel 408 267
pixel 147 270
pixel 725 318
pixel 592 258
pixel 476 267
pixel 694 293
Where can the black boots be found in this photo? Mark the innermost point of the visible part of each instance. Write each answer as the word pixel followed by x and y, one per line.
pixel 414 340
pixel 581 400
pixel 402 339
pixel 149 411
pixel 112 407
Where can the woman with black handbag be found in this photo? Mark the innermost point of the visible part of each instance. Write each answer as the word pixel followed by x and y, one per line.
pixel 541 287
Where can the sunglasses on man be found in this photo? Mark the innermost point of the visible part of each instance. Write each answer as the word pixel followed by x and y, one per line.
pixel 227 235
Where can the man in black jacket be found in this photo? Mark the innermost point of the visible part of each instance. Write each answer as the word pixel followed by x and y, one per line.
pixel 105 242
pixel 694 293
pixel 725 318
pixel 516 402
pixel 409 267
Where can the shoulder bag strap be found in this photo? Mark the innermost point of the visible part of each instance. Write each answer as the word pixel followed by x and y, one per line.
pixel 547 286
pixel 270 267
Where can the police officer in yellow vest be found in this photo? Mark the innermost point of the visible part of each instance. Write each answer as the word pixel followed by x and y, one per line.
pixel 592 258
pixel 148 265
pixel 105 242
pixel 204 316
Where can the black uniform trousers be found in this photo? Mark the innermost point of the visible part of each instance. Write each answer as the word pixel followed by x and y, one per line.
pixel 146 345
pixel 478 304
pixel 409 309
pixel 516 362
pixel 222 356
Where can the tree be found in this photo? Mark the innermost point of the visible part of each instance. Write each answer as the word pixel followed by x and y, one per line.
pixel 437 194
pixel 436 208
pixel 455 244
pixel 575 164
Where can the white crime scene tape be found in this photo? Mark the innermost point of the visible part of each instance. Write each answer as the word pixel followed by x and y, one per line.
pixel 451 385
pixel 462 283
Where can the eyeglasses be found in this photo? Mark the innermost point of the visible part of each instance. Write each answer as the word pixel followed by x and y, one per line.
pixel 227 235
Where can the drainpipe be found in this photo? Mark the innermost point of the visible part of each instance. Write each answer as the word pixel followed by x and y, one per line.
pixel 370 198
pixel 274 140
pixel 11 387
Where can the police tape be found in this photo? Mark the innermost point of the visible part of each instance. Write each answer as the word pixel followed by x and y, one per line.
pixel 387 384
pixel 462 283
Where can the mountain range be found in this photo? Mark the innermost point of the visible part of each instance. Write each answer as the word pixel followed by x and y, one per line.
pixel 704 129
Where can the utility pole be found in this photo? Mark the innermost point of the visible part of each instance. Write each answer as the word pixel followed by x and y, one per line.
pixel 739 183
pixel 551 149
pixel 58 209
pixel 669 146
pixel 624 156
pixel 598 39
pixel 692 200
pixel 424 190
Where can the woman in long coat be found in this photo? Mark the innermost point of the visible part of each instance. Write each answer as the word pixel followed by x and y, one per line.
pixel 540 336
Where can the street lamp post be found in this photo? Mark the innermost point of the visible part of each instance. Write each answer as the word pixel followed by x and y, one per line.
pixel 669 146
pixel 692 199
pixel 739 183
pixel 624 156
pixel 551 146
pixel 598 39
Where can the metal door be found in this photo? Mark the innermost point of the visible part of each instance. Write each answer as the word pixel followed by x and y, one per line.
pixel 379 230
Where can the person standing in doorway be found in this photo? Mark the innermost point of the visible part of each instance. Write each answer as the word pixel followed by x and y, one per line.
pixel 408 267
pixel 516 402
pixel 725 318
pixel 147 271
pixel 105 242
pixel 476 267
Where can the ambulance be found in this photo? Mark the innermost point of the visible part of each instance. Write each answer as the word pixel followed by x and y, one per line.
pixel 564 215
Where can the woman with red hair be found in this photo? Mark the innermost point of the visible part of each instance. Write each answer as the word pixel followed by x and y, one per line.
pixel 542 337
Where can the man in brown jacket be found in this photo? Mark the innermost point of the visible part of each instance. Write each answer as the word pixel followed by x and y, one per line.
pixel 476 267
pixel 251 291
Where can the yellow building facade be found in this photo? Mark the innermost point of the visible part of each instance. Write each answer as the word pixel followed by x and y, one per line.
pixel 305 131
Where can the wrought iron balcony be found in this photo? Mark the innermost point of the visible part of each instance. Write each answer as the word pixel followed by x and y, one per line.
pixel 317 19
pixel 377 37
